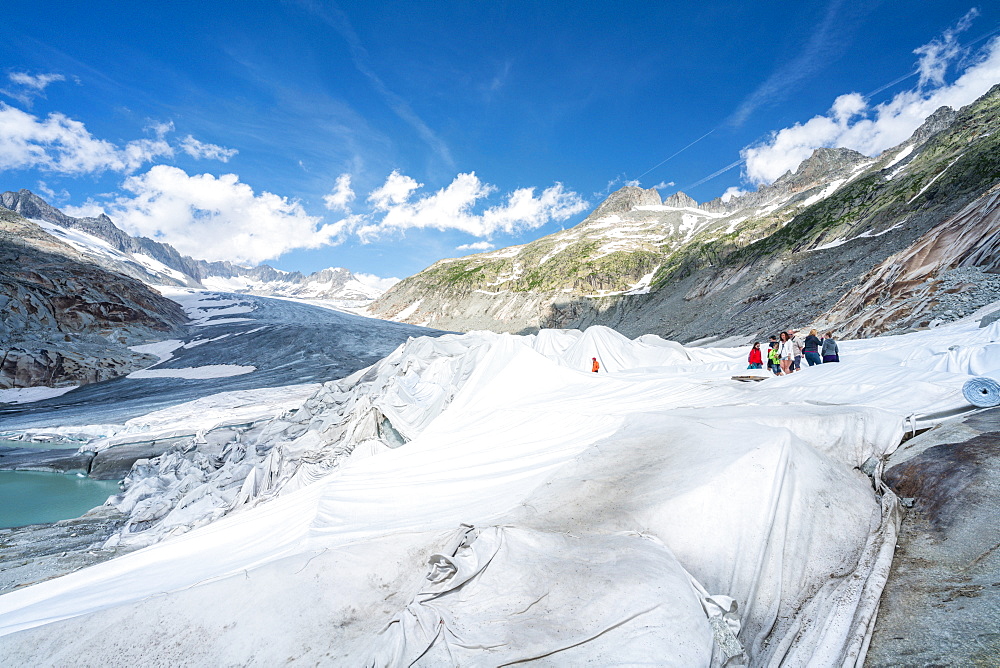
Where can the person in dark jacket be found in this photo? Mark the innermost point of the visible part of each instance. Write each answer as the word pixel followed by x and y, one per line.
pixel 830 351
pixel 811 348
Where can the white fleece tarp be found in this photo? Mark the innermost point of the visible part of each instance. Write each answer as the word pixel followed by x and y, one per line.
pixel 511 595
pixel 751 487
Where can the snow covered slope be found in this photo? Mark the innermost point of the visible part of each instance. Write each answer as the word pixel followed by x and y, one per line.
pixel 484 498
pixel 334 284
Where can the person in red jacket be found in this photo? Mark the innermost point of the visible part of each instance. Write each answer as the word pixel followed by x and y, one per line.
pixel 754 359
pixel 596 366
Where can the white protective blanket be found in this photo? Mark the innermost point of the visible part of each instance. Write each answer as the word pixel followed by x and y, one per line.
pixel 706 487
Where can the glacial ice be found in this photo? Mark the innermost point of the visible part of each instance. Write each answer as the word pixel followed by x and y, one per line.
pixel 485 498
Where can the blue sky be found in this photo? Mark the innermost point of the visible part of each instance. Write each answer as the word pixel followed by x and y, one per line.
pixel 384 136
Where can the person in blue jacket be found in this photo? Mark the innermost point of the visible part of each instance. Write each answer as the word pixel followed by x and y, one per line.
pixel 811 348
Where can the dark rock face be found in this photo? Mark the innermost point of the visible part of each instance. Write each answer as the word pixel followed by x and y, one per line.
pixel 907 286
pixel 67 320
pixel 941 604
pixel 945 479
pixel 935 123
pixel 30 205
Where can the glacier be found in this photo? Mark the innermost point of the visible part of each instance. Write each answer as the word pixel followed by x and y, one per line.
pixel 484 499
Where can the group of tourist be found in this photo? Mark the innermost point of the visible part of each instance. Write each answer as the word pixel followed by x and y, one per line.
pixel 785 352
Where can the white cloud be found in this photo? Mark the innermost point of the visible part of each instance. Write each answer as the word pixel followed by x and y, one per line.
pixel 938 54
pixel 451 207
pixel 396 190
pixel 478 246
pixel 52 197
pixel 525 211
pixel 852 123
pixel 202 150
pixel 55 144
pixel 847 107
pixel 29 86
pixel 63 145
pixel 341 196
pixel 377 282
pixel 161 129
pixel 89 209
pixel 36 81
pixel 218 218
pixel 137 153
pixel 664 184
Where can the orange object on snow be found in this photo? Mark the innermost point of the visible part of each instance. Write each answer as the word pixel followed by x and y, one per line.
pixel 596 366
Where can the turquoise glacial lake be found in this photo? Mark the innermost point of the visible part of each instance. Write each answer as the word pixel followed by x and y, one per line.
pixel 38 446
pixel 29 497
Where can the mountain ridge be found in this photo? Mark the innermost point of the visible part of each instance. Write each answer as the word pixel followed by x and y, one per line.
pixel 262 280
pixel 781 255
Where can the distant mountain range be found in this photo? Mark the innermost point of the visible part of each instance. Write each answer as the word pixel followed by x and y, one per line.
pixel 158 263
pixel 78 293
pixel 820 245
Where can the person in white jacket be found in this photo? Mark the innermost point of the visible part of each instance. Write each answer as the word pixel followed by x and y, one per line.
pixel 786 351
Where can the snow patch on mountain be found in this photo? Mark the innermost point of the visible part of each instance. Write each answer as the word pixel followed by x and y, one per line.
pixel 330 284
pixel 27 395
pixel 409 310
pixel 164 350
pixel 901 155
pixel 935 178
pixel 137 265
pixel 195 373
pixel 823 194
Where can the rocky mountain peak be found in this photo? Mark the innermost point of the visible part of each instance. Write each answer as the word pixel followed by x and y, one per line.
pixel 824 164
pixel 933 124
pixel 627 198
pixel 681 200
pixel 333 272
pixel 30 205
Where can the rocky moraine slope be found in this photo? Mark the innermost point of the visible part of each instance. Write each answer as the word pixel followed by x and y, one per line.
pixel 848 241
pixel 67 320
